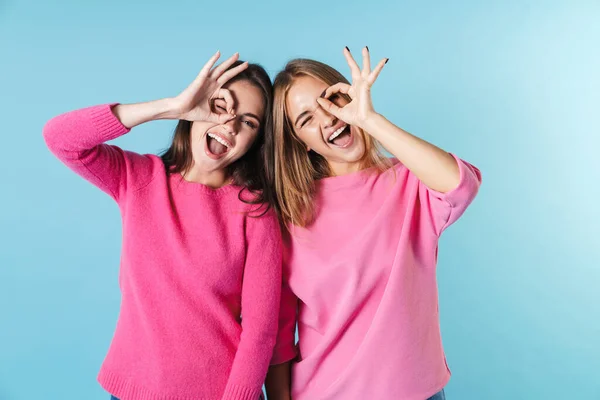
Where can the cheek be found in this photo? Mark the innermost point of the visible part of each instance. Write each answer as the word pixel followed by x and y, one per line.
pixel 360 135
pixel 310 137
pixel 246 142
pixel 198 130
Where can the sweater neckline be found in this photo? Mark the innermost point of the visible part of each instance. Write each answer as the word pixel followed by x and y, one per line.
pixel 179 182
pixel 350 180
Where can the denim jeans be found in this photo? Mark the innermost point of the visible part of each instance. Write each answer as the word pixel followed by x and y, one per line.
pixel 261 396
pixel 438 396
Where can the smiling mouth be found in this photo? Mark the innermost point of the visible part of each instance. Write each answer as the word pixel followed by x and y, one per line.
pixel 342 137
pixel 217 145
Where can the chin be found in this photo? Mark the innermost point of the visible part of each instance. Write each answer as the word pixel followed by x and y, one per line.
pixel 208 164
pixel 356 153
pixel 357 156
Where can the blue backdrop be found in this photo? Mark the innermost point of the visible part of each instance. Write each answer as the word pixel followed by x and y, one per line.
pixel 512 86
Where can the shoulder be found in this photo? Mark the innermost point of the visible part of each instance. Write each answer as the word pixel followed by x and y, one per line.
pixel 396 174
pixel 262 221
pixel 143 168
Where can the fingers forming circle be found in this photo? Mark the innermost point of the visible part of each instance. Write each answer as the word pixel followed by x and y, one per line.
pixel 226 95
pixel 340 87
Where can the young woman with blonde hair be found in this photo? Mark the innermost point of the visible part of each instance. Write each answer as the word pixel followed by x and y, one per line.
pixel 361 241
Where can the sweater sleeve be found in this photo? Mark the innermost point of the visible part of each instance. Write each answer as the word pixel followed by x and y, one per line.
pixel 77 139
pixel 285 346
pixel 261 288
pixel 446 208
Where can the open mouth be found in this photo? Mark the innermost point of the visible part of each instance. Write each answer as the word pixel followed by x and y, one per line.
pixel 342 137
pixel 217 145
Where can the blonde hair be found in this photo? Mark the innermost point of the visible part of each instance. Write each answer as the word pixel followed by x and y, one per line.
pixel 296 169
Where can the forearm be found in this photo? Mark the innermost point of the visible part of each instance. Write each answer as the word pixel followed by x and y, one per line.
pixel 261 293
pixel 132 115
pixel 278 382
pixel 259 328
pixel 436 168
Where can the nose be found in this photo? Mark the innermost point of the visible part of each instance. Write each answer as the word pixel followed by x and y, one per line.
pixel 327 120
pixel 231 126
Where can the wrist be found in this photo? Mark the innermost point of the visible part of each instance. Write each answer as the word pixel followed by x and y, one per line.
pixel 370 122
pixel 168 108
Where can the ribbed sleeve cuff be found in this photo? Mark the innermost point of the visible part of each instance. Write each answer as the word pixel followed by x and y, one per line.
pixel 107 124
pixel 234 392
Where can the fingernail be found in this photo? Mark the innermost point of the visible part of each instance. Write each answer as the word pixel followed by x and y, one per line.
pixel 323 94
pixel 347 48
pixel 386 60
pixel 367 48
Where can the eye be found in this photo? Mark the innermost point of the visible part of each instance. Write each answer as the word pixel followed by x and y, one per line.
pixel 250 124
pixel 305 122
pixel 220 106
pixel 335 98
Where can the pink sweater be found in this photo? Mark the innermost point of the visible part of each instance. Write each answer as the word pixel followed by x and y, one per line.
pixel 192 263
pixel 362 278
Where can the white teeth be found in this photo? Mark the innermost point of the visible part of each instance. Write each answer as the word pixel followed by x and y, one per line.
pixel 337 133
pixel 219 139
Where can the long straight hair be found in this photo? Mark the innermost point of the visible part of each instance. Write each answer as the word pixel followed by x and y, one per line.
pixel 296 170
pixel 249 171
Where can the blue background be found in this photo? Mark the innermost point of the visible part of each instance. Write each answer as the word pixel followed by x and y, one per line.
pixel 512 86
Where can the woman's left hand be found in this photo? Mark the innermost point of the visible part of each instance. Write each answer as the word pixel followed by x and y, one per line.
pixel 360 109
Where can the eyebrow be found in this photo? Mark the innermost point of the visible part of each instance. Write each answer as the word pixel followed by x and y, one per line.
pixel 251 115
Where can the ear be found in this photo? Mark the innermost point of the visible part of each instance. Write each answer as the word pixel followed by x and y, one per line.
pixel 307 149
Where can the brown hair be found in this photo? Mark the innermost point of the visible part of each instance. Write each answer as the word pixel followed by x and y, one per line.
pixel 296 169
pixel 251 170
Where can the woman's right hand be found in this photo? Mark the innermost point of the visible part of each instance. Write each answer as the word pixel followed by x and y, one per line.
pixel 195 102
